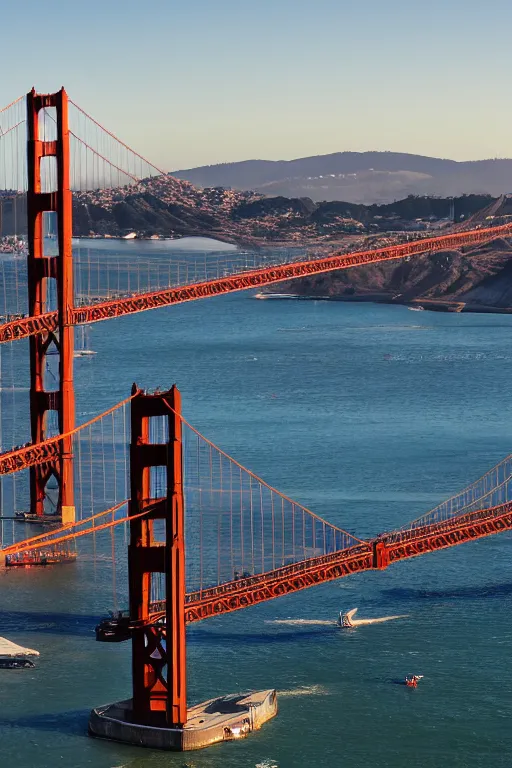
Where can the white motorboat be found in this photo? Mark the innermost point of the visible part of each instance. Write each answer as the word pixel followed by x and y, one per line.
pixel 13 656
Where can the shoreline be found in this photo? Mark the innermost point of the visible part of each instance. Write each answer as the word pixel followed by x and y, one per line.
pixel 238 242
pixel 432 305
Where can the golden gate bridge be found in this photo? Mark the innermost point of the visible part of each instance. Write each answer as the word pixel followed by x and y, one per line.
pixel 207 536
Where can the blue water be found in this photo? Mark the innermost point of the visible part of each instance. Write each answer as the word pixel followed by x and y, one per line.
pixel 367 414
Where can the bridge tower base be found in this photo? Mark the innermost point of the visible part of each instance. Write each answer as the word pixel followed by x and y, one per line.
pixel 225 718
pixel 157 715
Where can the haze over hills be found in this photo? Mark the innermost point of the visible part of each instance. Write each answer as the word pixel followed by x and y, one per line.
pixel 358 177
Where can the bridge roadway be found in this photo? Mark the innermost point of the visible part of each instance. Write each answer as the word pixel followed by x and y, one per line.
pixel 30 455
pixel 375 554
pixel 30 326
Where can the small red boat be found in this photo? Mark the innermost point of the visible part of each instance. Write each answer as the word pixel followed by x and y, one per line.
pixel 411 681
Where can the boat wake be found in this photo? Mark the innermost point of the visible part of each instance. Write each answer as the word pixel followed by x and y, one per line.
pixel 304 690
pixel 380 620
pixel 347 620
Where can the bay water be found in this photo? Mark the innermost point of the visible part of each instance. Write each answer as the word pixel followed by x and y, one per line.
pixel 367 414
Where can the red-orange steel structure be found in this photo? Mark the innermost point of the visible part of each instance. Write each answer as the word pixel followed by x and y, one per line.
pixel 158 660
pixel 258 278
pixel 41 453
pixel 41 269
pixel 375 554
pixel 31 456
pixel 157 625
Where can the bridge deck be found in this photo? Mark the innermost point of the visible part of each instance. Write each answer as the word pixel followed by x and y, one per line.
pixel 30 326
pixel 375 554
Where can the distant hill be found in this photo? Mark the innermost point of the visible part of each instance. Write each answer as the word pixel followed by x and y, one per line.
pixel 358 177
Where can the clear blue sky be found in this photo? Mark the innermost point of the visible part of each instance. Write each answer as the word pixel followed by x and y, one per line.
pixel 193 82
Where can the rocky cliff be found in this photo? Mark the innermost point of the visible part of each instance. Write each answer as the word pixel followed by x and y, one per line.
pixel 479 278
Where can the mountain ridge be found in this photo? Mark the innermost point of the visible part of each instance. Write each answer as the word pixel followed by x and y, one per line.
pixel 358 177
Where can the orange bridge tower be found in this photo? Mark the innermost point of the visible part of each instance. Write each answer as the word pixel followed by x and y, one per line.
pixel 157 715
pixel 41 270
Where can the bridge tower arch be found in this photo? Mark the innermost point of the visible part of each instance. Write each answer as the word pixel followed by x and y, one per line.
pixel 41 269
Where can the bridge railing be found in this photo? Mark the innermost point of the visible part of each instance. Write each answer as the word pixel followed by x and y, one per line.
pixel 237 525
pixel 435 528
pixel 490 490
pixel 100 468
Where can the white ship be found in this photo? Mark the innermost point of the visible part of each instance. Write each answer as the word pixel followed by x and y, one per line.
pixel 345 619
pixel 348 620
pixel 129 236
pixel 83 349
pixel 13 656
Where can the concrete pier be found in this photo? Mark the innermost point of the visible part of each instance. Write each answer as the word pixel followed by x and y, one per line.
pixel 221 719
